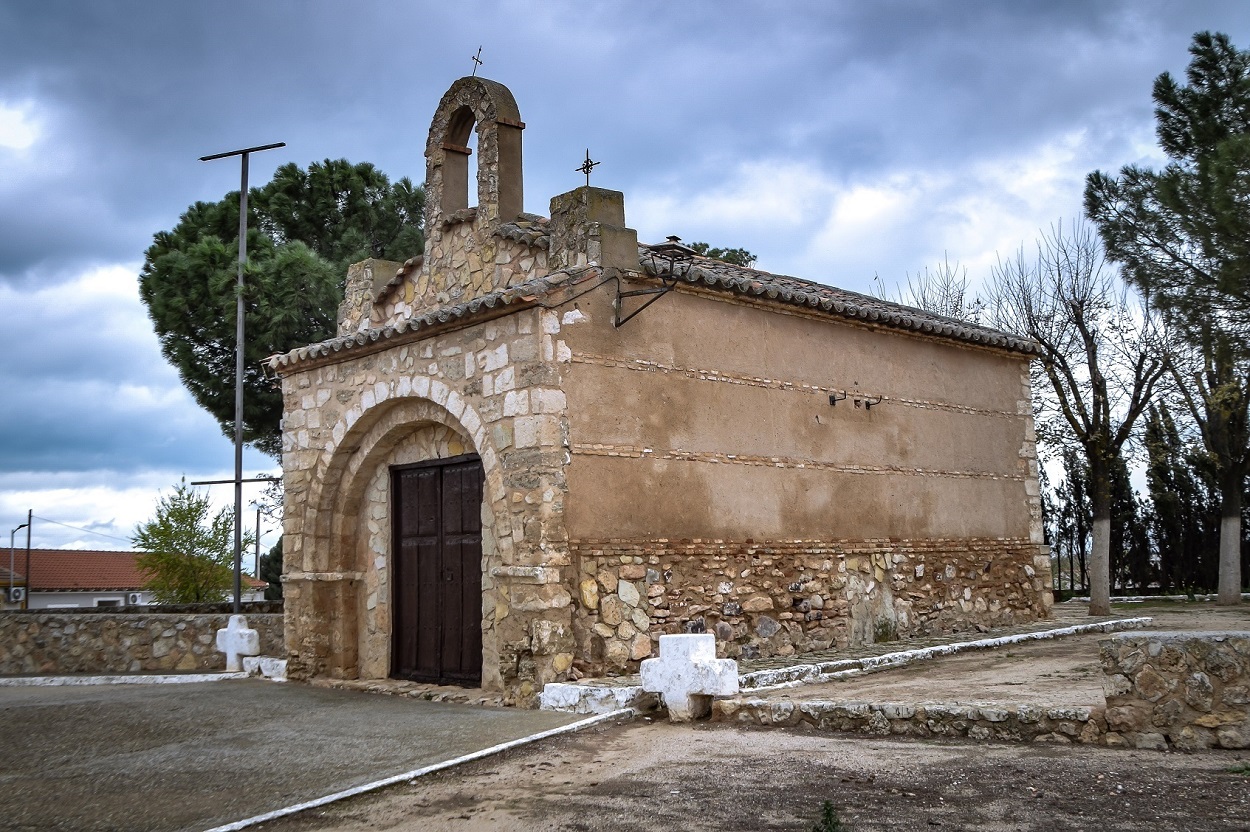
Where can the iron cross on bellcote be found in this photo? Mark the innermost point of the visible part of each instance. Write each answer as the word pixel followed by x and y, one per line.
pixel 477 62
pixel 586 167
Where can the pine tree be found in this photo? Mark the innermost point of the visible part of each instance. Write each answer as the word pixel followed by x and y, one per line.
pixel 1183 236
pixel 306 228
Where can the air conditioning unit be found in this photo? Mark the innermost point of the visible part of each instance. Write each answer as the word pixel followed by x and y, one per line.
pixel 134 598
pixel 16 594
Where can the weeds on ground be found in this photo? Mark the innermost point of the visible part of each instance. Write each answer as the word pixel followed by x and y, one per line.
pixel 1244 768
pixel 829 821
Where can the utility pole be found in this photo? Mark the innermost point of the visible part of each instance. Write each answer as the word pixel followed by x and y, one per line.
pixel 238 364
pixel 13 534
pixel 30 515
pixel 257 543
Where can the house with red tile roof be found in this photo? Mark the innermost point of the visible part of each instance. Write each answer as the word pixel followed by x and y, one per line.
pixel 67 578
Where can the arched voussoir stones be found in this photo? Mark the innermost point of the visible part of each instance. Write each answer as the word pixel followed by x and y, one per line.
pixel 345 470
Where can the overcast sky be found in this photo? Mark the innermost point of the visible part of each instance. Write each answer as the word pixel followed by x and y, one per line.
pixel 837 141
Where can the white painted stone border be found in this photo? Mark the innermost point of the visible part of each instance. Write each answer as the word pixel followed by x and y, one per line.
pixel 120 679
pixel 629 713
pixel 578 698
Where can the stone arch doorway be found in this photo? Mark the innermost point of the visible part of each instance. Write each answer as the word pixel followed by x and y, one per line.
pixel 347 562
pixel 436 554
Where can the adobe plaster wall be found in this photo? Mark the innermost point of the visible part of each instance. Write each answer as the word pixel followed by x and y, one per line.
pixel 713 488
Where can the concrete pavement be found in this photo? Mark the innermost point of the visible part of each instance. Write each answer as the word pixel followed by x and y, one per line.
pixel 174 757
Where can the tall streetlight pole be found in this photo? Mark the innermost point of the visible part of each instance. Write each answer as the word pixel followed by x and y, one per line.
pixel 13 534
pixel 30 516
pixel 238 364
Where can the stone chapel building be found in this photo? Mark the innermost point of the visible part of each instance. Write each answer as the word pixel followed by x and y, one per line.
pixel 492 477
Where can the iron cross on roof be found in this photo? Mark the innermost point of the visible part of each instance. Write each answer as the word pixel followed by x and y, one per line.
pixel 477 61
pixel 587 167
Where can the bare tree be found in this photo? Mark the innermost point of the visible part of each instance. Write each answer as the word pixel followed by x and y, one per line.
pixel 944 290
pixel 1098 362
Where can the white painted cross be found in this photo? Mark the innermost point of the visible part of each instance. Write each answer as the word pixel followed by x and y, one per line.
pixel 238 640
pixel 688 674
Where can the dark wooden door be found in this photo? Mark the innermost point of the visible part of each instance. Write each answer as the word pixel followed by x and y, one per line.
pixel 436 617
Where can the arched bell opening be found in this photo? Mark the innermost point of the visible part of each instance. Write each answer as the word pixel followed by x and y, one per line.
pixel 481 110
pixel 456 161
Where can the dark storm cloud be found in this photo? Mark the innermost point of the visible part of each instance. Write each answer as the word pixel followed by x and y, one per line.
pixel 56 426
pixel 132 93
pixel 676 100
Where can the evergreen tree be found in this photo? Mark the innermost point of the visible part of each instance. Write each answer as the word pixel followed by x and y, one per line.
pixel 306 228
pixel 734 256
pixel 1073 519
pixel 1183 235
pixel 271 571
pixel 1132 569
pixel 1183 517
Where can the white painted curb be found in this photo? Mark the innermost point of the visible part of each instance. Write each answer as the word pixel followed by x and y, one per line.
pixel 76 681
pixel 415 773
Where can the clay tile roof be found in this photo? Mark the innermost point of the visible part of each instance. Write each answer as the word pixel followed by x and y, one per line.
pixel 703 271
pixel 838 302
pixel 522 293
pixel 85 570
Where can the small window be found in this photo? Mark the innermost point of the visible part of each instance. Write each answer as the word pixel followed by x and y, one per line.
pixel 108 602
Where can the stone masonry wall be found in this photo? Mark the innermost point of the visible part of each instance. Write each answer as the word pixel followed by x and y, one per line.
pixel 494 386
pixel 778 598
pixel 1185 690
pixel 67 642
pixel 480 260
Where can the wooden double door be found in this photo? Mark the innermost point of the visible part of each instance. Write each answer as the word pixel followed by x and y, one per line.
pixel 436 607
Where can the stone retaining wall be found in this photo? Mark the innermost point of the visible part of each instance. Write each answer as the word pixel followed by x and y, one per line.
pixel 57 643
pixel 1185 690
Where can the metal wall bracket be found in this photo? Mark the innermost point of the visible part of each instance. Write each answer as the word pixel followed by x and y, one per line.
pixel 672 253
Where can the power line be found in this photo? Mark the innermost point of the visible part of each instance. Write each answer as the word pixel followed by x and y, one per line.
pixel 80 529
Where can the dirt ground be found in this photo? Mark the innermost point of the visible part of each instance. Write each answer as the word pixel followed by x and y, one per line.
pixel 654 776
pixel 650 775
